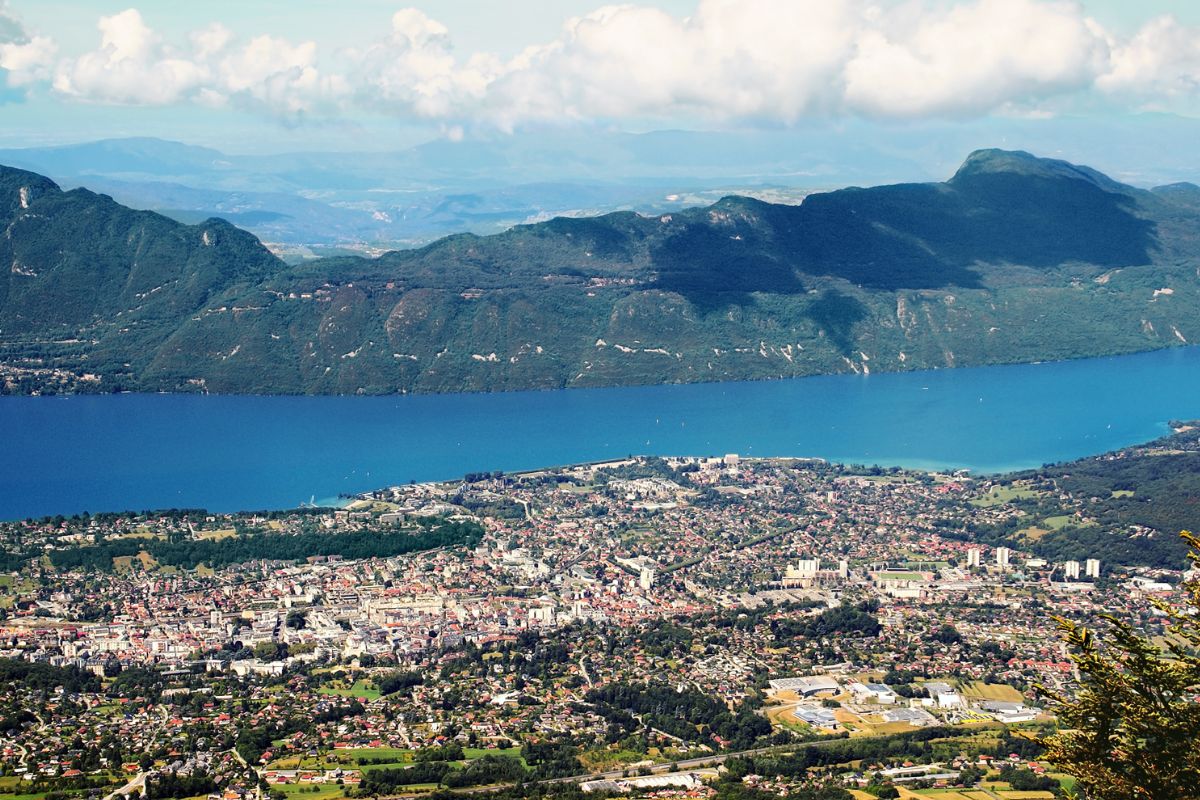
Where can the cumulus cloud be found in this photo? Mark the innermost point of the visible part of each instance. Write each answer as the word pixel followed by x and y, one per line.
pixel 1161 61
pixel 413 69
pixel 24 60
pixel 973 59
pixel 733 58
pixel 133 65
pixel 773 61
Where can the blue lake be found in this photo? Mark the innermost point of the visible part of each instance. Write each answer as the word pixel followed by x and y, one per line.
pixel 115 452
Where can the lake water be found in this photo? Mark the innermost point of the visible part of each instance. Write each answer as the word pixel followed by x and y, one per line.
pixel 104 453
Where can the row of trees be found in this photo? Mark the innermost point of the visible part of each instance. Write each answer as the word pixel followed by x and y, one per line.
pixel 280 547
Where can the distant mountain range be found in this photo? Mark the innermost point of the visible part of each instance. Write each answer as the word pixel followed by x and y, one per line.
pixel 1015 258
pixel 364 202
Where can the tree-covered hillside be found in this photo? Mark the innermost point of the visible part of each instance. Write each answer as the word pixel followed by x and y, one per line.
pixel 1013 259
pixel 1124 507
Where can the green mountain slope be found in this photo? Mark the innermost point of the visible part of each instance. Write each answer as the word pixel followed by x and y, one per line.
pixel 1125 507
pixel 1015 258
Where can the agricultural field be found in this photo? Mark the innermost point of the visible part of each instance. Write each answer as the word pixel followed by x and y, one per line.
pixel 999 495
pixel 978 690
pixel 311 791
pixel 361 688
pixel 218 535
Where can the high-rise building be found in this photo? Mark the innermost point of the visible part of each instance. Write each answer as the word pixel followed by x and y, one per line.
pixel 973 558
pixel 843 569
pixel 1093 567
pixel 1002 557
pixel 804 574
pixel 646 579
pixel 1071 570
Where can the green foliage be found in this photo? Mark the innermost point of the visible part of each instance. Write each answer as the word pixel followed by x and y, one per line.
pixel 842 620
pixel 46 677
pixel 1155 486
pixel 380 782
pixel 916 746
pixel 403 682
pixel 487 770
pixel 1004 256
pixel 1131 731
pixel 1024 780
pixel 283 547
pixel 170 784
pixel 689 715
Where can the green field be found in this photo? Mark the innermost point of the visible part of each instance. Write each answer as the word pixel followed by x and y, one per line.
pixel 900 576
pixel 1004 494
pixel 300 791
pixel 387 758
pixel 361 688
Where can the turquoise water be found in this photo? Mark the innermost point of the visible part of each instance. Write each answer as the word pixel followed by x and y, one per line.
pixel 69 454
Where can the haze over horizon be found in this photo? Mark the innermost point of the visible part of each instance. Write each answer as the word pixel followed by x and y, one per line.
pixel 293 77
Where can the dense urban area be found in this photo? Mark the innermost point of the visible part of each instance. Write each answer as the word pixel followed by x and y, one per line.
pixel 686 627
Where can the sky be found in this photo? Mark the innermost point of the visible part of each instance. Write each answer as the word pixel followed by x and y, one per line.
pixel 273 75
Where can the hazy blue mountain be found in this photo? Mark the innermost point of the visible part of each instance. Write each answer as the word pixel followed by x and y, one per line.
pixel 1014 258
pixel 304 203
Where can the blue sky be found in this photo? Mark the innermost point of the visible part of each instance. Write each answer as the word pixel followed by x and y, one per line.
pixel 378 74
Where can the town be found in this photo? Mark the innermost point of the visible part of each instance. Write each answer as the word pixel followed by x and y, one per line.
pixel 644 626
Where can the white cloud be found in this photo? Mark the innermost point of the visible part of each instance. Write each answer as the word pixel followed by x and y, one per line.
pixel 414 70
pixel 133 65
pixel 24 60
pixel 973 58
pixel 1162 60
pixel 777 59
pixel 772 61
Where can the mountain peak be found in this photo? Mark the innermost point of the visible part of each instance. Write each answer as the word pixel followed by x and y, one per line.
pixel 994 161
pixel 18 189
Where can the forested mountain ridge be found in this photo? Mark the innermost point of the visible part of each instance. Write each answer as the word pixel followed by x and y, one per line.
pixel 1015 258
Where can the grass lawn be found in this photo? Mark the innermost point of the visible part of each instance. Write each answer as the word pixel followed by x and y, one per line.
pixel 892 575
pixel 396 754
pixel 300 791
pixel 1064 780
pixel 1032 534
pixel 1003 494
pixel 216 536
pixel 361 688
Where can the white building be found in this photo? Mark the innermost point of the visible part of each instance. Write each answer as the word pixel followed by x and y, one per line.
pixel 1071 570
pixel 1002 557
pixel 973 558
pixel 1093 568
pixel 878 692
pixel 806 686
pixel 804 574
pixel 646 579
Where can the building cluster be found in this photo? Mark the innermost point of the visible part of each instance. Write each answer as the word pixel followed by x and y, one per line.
pixel 716 575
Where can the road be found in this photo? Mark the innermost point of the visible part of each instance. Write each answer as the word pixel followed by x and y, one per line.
pixel 714 760
pixel 138 782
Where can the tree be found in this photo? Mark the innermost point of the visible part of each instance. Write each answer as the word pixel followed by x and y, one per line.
pixel 1132 732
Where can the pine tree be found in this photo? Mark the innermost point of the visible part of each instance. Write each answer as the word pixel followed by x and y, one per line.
pixel 1132 730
